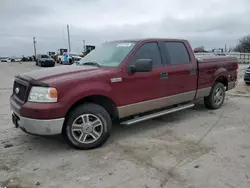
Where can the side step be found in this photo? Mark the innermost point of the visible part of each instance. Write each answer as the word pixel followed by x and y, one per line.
pixel 157 114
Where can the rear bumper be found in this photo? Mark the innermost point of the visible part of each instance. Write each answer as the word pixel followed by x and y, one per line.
pixel 232 85
pixel 37 126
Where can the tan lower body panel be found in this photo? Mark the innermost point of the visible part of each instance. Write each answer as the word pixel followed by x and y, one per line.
pixel 141 107
pixel 204 92
pixel 146 106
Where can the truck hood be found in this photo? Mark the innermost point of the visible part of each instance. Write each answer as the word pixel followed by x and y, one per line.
pixel 59 72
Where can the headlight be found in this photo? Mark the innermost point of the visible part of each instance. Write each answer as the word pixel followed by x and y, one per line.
pixel 43 94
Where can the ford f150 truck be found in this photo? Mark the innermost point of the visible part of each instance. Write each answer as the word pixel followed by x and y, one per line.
pixel 125 81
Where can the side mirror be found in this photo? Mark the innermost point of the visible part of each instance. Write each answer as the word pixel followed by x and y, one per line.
pixel 141 65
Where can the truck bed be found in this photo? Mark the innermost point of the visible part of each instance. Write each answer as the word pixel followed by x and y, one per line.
pixel 225 67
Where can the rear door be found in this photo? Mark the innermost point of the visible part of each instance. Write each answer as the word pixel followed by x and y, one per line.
pixel 181 70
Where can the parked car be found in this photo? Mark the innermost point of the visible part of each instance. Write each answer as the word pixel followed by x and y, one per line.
pixel 17 59
pixel 69 58
pixel 7 59
pixel 247 76
pixel 44 60
pixel 126 81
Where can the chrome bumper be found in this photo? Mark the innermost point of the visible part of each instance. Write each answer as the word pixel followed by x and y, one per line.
pixel 39 126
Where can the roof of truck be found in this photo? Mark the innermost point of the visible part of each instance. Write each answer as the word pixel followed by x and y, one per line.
pixel 148 39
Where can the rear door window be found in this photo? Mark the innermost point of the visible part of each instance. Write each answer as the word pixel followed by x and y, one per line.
pixel 149 51
pixel 177 52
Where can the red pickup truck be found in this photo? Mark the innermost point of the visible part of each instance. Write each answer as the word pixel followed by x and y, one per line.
pixel 125 81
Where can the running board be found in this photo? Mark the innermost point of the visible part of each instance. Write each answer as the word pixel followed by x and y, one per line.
pixel 157 114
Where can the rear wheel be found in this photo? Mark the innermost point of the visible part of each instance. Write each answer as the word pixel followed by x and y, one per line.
pixel 216 96
pixel 248 83
pixel 88 126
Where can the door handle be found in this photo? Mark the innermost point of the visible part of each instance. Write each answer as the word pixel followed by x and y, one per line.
pixel 163 75
pixel 192 71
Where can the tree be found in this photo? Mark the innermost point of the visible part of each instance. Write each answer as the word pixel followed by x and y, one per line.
pixel 243 45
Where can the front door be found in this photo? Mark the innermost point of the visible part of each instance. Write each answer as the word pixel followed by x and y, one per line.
pixel 141 90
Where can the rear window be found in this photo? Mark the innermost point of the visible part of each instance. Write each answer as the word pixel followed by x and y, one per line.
pixel 177 52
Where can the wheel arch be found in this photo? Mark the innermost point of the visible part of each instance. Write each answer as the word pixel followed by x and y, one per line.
pixel 104 101
pixel 221 75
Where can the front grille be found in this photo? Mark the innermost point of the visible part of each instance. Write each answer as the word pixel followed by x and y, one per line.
pixel 19 90
pixel 48 61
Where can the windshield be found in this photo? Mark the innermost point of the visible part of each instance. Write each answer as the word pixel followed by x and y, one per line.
pixel 109 54
pixel 44 56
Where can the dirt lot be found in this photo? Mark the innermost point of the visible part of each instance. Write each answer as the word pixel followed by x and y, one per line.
pixel 195 148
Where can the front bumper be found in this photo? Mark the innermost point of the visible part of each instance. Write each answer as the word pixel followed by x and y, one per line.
pixel 38 126
pixel 48 63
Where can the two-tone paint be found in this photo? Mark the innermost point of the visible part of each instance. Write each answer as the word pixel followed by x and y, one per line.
pixel 129 93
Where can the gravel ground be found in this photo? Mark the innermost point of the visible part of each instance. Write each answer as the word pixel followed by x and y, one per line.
pixel 195 148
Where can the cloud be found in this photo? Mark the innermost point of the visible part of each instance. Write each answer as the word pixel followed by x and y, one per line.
pixel 212 23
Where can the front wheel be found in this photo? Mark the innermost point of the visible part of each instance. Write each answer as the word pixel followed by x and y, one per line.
pixel 216 97
pixel 88 126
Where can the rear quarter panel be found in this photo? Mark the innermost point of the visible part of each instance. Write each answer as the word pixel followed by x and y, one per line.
pixel 211 69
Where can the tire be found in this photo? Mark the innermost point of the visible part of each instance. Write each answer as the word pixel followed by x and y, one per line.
pixel 94 113
pixel 247 83
pixel 60 61
pixel 36 63
pixel 214 103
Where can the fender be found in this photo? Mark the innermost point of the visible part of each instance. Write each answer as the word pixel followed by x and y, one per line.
pixel 220 72
pixel 83 90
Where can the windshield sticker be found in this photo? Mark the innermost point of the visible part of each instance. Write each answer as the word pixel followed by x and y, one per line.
pixel 124 45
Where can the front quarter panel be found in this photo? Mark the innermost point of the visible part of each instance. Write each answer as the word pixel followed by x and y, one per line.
pixel 82 90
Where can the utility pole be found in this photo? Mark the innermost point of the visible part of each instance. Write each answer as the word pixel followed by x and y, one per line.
pixel 83 46
pixel 34 42
pixel 225 47
pixel 68 38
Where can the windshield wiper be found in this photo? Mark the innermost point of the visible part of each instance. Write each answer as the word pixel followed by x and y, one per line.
pixel 91 63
